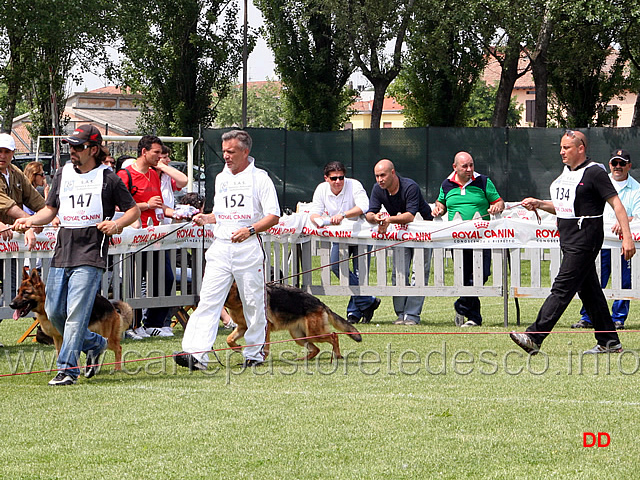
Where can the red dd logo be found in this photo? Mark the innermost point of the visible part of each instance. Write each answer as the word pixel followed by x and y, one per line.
pixel 601 439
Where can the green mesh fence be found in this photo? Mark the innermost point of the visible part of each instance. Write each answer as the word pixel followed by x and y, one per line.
pixel 521 162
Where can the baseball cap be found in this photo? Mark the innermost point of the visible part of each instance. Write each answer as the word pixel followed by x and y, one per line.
pixel 84 133
pixel 621 155
pixel 7 141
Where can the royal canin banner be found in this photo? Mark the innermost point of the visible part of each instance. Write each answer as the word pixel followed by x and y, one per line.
pixel 520 229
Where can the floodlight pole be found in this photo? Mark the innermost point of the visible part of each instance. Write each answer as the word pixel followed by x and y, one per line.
pixel 244 67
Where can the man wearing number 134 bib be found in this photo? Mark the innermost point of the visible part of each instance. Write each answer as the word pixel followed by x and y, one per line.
pixel 245 203
pixel 578 197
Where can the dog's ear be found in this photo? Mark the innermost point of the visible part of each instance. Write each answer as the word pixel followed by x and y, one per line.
pixel 25 273
pixel 35 277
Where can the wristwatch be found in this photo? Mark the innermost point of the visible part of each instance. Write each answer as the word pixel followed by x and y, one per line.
pixel 252 230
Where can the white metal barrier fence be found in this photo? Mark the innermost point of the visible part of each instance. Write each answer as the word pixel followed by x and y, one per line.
pixel 293 260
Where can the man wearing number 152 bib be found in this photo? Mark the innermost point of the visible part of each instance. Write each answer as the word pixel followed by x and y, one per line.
pixel 578 197
pixel 245 203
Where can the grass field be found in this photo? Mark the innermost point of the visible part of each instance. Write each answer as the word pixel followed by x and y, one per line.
pixel 398 407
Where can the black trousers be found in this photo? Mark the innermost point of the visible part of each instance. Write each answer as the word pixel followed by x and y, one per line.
pixel 470 306
pixel 577 275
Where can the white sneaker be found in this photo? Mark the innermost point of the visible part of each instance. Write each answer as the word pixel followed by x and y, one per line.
pixel 158 332
pixel 469 323
pixel 132 335
pixel 168 331
pixel 141 332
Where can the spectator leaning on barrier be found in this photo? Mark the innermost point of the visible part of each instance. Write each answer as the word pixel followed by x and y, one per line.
pixel 16 192
pixel 245 204
pixel 402 199
pixel 341 198
pixel 578 197
pixel 629 192
pixel 468 193
pixel 79 259
pixel 144 184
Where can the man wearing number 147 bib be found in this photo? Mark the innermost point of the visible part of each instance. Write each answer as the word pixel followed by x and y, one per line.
pixel 578 197
pixel 84 196
pixel 245 203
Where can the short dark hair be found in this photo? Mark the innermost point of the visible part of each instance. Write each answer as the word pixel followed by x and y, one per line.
pixel 166 149
pixel 146 142
pixel 194 199
pixel 334 167
pixel 243 138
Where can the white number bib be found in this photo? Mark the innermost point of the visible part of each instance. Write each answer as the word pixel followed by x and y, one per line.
pixel 81 197
pixel 563 191
pixel 234 200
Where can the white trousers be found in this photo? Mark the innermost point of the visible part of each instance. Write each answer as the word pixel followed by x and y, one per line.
pixel 226 262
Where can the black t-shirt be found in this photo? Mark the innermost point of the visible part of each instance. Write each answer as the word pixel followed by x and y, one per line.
pixel 408 198
pixel 592 192
pixel 81 246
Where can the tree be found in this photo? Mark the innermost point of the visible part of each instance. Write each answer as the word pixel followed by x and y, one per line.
pixel 371 26
pixel 264 107
pixel 445 58
pixel 313 60
pixel 177 53
pixel 46 39
pixel 544 16
pixel 630 50
pixel 505 17
pixel 581 79
pixel 481 105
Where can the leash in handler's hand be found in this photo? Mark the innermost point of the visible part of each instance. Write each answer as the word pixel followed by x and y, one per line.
pixel 126 257
pixel 280 280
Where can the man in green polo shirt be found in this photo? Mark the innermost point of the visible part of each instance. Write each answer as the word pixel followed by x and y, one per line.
pixel 467 192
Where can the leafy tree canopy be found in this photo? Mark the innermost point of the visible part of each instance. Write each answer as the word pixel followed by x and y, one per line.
pixel 313 60
pixel 177 53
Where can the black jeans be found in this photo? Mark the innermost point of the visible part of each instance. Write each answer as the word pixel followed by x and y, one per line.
pixel 577 274
pixel 470 306
pixel 156 316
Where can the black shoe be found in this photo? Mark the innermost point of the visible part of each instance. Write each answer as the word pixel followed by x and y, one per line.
pixel 187 360
pixel 619 325
pixel 352 319
pixel 93 362
pixel 582 324
pixel 249 362
pixel 525 342
pixel 62 379
pixel 367 313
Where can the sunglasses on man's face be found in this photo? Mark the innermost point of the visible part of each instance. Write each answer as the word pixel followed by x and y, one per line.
pixel 336 178
pixel 572 134
pixel 615 163
pixel 39 174
pixel 79 148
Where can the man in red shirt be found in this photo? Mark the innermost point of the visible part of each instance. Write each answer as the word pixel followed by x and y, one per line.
pixel 144 184
pixel 143 181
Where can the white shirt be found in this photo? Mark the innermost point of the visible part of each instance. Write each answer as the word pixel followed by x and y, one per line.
pixel 243 199
pixel 325 202
pixel 167 193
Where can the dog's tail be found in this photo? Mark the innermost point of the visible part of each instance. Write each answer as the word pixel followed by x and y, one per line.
pixel 341 324
pixel 125 312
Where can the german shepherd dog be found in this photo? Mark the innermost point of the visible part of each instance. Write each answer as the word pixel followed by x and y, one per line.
pixel 289 308
pixel 107 319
